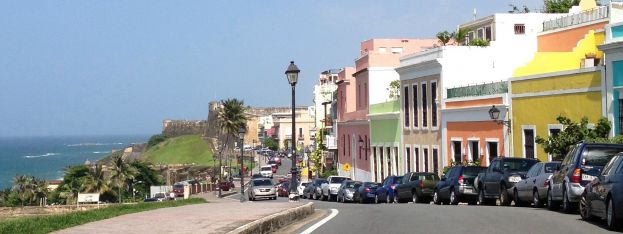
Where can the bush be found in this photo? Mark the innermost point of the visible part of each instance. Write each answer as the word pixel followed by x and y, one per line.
pixel 326 174
pixel 156 139
pixel 479 42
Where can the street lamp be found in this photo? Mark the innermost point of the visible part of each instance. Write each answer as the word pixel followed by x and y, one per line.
pixel 292 73
pixel 241 132
pixel 494 114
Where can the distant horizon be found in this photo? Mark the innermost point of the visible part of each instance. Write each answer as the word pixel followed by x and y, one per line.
pixel 78 135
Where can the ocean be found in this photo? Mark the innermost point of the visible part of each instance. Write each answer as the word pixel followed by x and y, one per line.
pixel 46 157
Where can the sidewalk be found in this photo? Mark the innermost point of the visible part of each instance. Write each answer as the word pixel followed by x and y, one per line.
pixel 216 216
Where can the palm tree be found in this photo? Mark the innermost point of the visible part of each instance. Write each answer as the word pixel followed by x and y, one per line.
pixel 40 191
pixel 23 186
pixel 121 173
pixel 231 116
pixel 460 36
pixel 97 181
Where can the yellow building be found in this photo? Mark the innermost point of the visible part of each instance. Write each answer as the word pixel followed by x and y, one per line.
pixel 564 78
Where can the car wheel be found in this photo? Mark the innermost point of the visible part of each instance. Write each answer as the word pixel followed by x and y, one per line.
pixel 536 199
pixel 585 210
pixel 314 196
pixel 436 200
pixel 376 199
pixel 395 199
pixel 551 204
pixel 453 199
pixel 612 220
pixel 516 199
pixel 567 207
pixel 481 198
pixel 504 198
pixel 415 199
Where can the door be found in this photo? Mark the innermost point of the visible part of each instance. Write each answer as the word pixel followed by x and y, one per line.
pixel 559 176
pixel 529 142
pixel 456 148
pixel 491 184
pixel 444 188
pixel 403 187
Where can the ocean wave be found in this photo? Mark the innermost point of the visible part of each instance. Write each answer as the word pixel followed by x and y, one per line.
pixel 100 152
pixel 91 144
pixel 42 155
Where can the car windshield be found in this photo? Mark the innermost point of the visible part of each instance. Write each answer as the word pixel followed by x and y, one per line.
pixel 336 180
pixel 266 169
pixel 178 186
pixel 370 184
pixel 349 185
pixel 519 165
pixel 599 156
pixel 473 171
pixel 551 167
pixel 319 182
pixel 262 183
pixel 398 180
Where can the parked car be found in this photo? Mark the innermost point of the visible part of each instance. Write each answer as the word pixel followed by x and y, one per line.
pixel 366 192
pixel 347 190
pixel 283 189
pixel 225 185
pixel 178 189
pixel 272 162
pixel 500 177
pixel 457 185
pixel 262 188
pixel 313 189
pixel 329 192
pixel 267 171
pixel 533 189
pixel 386 192
pixel 416 187
pixel 603 197
pixel 301 187
pixel 274 169
pixel 579 167
pixel 277 160
pixel 281 180
pixel 255 176
pixel 158 197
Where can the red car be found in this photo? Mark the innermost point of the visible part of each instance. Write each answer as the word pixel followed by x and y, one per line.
pixel 277 160
pixel 274 169
pixel 225 186
pixel 178 190
pixel 282 189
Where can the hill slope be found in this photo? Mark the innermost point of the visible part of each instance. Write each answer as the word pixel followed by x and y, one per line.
pixel 180 150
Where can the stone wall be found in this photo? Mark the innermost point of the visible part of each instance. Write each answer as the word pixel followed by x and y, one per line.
pixel 174 128
pixel 37 210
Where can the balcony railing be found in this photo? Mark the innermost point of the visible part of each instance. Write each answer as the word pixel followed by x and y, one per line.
pixel 577 18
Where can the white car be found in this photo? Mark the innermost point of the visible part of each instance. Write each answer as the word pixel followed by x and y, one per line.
pixel 267 171
pixel 301 187
pixel 329 191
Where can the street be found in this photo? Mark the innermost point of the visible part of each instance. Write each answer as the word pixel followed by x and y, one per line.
pixel 430 218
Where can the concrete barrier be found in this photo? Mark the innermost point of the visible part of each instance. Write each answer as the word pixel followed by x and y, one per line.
pixel 273 222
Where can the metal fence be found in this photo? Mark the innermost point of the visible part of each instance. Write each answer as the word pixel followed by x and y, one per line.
pixel 478 90
pixel 578 18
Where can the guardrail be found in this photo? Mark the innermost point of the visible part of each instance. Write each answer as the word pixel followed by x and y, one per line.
pixel 577 18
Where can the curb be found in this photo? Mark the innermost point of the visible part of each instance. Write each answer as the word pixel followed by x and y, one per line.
pixel 275 221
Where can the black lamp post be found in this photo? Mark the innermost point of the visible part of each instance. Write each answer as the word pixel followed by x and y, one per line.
pixel 494 114
pixel 241 132
pixel 292 73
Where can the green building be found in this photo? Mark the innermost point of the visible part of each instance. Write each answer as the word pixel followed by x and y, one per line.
pixel 385 141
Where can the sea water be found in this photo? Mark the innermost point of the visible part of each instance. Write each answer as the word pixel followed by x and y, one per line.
pixel 47 157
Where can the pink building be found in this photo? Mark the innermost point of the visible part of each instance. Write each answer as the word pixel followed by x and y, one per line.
pixel 362 86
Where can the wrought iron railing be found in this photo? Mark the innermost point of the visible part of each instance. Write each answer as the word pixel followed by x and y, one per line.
pixel 577 18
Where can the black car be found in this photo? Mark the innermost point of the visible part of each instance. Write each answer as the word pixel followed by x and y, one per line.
pixel 458 185
pixel 603 197
pixel 313 189
pixel 366 192
pixel 500 177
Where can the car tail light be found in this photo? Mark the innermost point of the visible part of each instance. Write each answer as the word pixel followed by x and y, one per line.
pixel 367 190
pixel 392 185
pixel 577 176
pixel 546 183
pixel 460 180
pixel 421 184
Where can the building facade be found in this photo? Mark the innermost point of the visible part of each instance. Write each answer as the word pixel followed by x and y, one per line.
pixel 387 159
pixel 613 50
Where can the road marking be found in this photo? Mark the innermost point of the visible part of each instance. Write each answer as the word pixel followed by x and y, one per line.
pixel 309 230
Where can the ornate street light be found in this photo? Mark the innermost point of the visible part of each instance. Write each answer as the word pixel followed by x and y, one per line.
pixel 494 114
pixel 292 73
pixel 241 132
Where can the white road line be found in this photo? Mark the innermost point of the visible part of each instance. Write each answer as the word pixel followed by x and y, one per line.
pixel 309 230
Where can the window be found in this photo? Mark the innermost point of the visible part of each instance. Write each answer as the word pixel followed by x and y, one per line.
pixel 481 33
pixel 433 105
pixel 365 151
pixel 424 107
pixel 416 154
pixel 620 116
pixel 408 157
pixel 520 29
pixel 396 50
pixel 343 145
pixel 488 33
pixel 365 94
pixel 382 50
pixel 358 95
pixel 349 153
pixel 456 148
pixel 381 162
pixel 426 159
pixel 435 160
pixel 406 106
pixel 470 37
pixel 389 160
pixel 374 163
pixel 415 107
pixel 528 137
pixel 492 147
pixel 360 148
pixel 474 150
pixel 396 167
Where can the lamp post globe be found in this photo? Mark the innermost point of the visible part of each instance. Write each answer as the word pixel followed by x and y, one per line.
pixel 241 132
pixel 494 113
pixel 292 74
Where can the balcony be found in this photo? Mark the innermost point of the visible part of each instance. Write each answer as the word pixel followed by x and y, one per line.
pixel 596 14
pixel 331 142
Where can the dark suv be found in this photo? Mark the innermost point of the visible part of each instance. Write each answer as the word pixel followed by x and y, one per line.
pixel 501 176
pixel 458 185
pixel 582 164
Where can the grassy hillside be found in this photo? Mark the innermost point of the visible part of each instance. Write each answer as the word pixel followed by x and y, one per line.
pixel 180 150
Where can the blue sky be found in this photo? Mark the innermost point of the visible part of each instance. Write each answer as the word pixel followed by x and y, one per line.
pixel 121 67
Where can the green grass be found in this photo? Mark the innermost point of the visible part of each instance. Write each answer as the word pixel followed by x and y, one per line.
pixel 180 150
pixel 50 223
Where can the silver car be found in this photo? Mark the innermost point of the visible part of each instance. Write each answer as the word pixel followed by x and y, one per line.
pixel 347 190
pixel 262 188
pixel 533 189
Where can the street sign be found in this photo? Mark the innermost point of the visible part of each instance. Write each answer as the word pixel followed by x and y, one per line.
pixel 346 167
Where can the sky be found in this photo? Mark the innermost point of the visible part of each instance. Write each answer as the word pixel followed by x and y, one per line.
pixel 121 67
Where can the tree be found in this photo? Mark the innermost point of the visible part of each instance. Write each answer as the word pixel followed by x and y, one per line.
pixel 156 139
pixel 97 181
pixel 559 6
pixel 231 116
pixel 394 89
pixel 22 185
pixel 460 36
pixel 40 190
pixel 558 144
pixel 121 174
pixel 444 37
pixel 271 143
pixel 145 178
pixel 72 184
